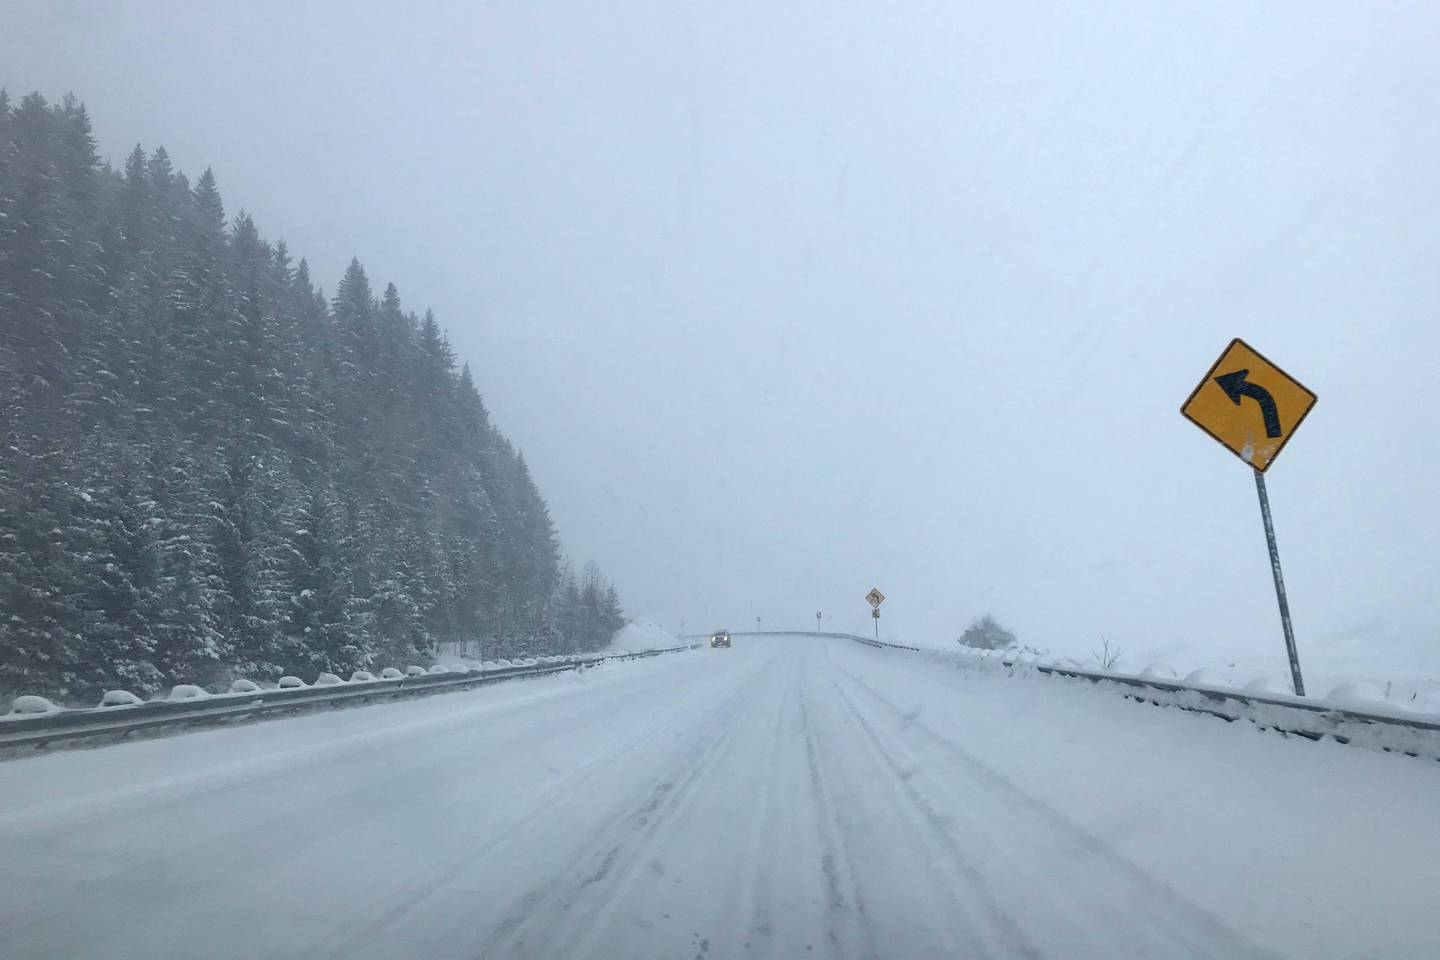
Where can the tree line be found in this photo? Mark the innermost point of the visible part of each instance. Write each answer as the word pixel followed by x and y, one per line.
pixel 209 468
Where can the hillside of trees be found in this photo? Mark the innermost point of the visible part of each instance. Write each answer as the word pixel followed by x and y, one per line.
pixel 209 468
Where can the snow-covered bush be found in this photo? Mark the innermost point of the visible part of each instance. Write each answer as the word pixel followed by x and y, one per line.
pixel 119 698
pixel 244 686
pixel 290 683
pixel 987 633
pixel 187 691
pixel 361 676
pixel 327 680
pixel 390 673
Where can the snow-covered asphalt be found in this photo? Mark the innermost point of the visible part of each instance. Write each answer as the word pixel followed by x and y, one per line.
pixel 790 797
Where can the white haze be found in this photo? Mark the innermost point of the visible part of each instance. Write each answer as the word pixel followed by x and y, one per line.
pixel 783 301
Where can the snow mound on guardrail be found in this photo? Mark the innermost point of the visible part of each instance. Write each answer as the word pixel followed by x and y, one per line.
pixel 1356 693
pixel 31 705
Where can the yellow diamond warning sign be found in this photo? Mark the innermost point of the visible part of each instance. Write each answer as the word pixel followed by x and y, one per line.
pixel 875 597
pixel 1249 405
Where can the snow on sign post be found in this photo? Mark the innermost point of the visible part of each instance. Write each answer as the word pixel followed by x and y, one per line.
pixel 1252 408
pixel 875 598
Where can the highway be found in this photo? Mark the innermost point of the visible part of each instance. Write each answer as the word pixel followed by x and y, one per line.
pixel 790 797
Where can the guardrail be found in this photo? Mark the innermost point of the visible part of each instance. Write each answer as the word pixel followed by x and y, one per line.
pixel 33 730
pixel 1389 731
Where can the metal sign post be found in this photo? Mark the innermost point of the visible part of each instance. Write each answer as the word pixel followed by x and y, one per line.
pixel 817 621
pixel 1255 432
pixel 1279 585
pixel 875 598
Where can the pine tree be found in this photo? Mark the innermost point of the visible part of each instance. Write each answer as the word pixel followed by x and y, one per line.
pixel 37 251
pixel 317 628
pixel 117 574
pixel 189 643
pixel 248 556
pixel 134 208
pixel 207 202
pixel 79 160
pixel 40 642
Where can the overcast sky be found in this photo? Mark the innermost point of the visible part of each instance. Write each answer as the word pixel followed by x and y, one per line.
pixel 786 300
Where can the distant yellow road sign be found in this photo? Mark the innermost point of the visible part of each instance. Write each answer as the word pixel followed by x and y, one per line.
pixel 875 597
pixel 1249 405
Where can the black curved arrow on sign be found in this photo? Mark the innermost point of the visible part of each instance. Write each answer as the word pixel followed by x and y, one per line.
pixel 1236 386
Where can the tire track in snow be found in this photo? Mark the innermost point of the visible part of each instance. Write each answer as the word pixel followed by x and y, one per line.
pixel 608 864
pixel 523 816
pixel 757 891
pixel 987 929
pixel 524 813
pixel 668 816
pixel 1100 903
pixel 848 921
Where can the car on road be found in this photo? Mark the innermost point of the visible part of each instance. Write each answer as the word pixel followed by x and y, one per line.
pixel 720 638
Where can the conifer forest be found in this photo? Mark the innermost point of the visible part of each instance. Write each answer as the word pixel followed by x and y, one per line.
pixel 212 468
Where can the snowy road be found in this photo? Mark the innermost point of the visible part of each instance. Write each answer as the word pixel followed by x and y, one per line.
pixel 790 797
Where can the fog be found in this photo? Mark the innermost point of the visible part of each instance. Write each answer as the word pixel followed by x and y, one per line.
pixel 785 301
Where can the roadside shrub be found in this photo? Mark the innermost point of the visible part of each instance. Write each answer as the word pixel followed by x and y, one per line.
pixel 987 633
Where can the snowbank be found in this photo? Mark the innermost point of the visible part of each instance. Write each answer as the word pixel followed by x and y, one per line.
pixel 1399 669
pixel 1399 672
pixel 643 634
